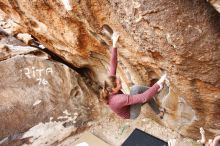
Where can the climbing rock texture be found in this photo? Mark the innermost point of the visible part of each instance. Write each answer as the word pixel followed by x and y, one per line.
pixel 215 3
pixel 180 38
pixel 35 89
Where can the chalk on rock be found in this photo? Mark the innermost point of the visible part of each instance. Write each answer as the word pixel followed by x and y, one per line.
pixel 51 118
pixel 82 144
pixel 26 38
pixel 37 102
pixel 167 82
pixel 42 46
pixel 66 113
pixel 67 4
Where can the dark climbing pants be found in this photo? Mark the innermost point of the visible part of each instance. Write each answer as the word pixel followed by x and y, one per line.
pixel 136 109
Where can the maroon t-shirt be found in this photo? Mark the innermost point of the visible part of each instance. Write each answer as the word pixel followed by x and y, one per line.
pixel 119 102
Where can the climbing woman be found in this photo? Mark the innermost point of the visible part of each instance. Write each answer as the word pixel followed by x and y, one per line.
pixel 125 105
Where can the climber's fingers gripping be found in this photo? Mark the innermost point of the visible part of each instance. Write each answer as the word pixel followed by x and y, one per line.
pixel 160 82
pixel 114 38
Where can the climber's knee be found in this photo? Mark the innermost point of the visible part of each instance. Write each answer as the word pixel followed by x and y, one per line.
pixel 137 89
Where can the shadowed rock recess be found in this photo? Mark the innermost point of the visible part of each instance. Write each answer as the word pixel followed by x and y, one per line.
pixel 181 38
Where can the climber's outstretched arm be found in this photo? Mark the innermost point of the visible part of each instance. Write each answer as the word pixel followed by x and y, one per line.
pixel 114 55
pixel 216 141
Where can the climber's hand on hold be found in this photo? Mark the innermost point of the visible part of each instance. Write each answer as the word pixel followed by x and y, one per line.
pixel 114 38
pixel 202 131
pixel 203 139
pixel 160 82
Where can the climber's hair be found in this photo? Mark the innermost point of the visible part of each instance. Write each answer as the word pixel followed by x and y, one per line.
pixel 109 83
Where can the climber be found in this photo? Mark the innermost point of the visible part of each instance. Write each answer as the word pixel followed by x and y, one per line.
pixel 124 105
pixel 215 142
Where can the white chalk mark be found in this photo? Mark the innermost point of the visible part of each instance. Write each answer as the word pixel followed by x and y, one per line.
pixel 39 79
pixel 138 19
pixel 37 74
pixel 51 118
pixel 46 133
pixel 67 5
pixel 49 70
pixel 37 102
pixel 41 46
pixel 169 40
pixel 44 82
pixel 40 71
pixel 24 37
pixel 33 72
pixel 27 73
pixel 82 144
pixel 62 117
pixel 167 82
pixel 66 113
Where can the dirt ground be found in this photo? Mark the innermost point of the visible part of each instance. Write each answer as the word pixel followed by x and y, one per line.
pixel 109 128
pixel 115 132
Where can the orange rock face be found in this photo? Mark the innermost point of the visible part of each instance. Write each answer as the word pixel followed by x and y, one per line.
pixel 180 38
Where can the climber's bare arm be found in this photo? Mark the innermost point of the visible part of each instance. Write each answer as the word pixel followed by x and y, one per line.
pixel 216 140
